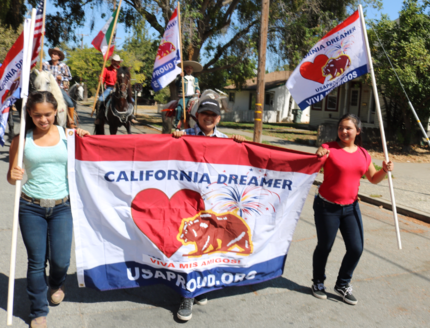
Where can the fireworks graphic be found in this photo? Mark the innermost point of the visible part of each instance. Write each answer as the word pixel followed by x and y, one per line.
pixel 341 48
pixel 243 202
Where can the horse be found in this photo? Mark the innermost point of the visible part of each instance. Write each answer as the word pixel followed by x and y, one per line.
pixel 117 108
pixel 45 81
pixel 76 92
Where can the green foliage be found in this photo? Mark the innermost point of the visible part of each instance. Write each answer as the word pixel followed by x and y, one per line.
pixel 86 64
pixel 408 46
pixel 8 38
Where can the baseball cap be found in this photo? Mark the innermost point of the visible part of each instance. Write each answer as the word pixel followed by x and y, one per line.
pixel 209 105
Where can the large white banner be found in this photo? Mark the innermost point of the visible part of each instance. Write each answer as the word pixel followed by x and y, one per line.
pixel 194 213
pixel 340 56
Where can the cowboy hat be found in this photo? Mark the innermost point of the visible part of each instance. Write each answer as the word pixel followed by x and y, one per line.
pixel 50 51
pixel 197 67
pixel 116 58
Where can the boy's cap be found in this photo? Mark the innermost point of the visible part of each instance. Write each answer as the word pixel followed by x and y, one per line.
pixel 209 105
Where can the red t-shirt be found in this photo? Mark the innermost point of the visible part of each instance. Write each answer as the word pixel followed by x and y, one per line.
pixel 109 76
pixel 342 173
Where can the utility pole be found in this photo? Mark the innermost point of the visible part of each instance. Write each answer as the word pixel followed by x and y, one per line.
pixel 82 40
pixel 259 106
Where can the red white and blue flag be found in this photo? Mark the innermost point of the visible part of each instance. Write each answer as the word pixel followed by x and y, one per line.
pixel 38 30
pixel 340 56
pixel 168 55
pixel 10 80
pixel 184 212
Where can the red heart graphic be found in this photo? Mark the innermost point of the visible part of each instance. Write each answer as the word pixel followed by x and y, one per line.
pixel 313 71
pixel 159 217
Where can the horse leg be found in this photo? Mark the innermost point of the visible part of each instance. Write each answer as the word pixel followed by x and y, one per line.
pixel 113 128
pixel 99 129
pixel 128 127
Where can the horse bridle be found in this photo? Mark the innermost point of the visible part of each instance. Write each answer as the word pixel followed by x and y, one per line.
pixel 123 94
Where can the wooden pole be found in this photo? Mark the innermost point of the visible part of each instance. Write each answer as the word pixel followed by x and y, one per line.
pixel 381 126
pixel 182 65
pixel 259 106
pixel 106 56
pixel 25 70
pixel 43 37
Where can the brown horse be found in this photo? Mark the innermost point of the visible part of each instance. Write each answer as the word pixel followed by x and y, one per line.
pixel 117 109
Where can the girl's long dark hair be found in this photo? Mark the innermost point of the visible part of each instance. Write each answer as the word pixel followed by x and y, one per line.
pixel 357 122
pixel 38 97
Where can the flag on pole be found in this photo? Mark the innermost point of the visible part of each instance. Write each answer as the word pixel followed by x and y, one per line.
pixel 340 56
pixel 10 80
pixel 101 41
pixel 168 55
pixel 152 209
pixel 38 29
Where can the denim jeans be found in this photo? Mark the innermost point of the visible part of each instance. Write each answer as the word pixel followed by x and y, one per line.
pixel 47 235
pixel 329 218
pixel 67 99
pixel 105 93
pixel 179 109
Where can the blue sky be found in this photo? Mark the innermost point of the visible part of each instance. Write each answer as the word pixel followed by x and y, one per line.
pixel 390 7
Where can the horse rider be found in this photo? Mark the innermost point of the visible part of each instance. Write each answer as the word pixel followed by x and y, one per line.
pixel 191 84
pixel 108 78
pixel 62 74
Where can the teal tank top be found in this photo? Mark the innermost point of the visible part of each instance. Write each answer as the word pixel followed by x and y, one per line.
pixel 46 168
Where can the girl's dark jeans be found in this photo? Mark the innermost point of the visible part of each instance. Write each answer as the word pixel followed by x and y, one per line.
pixel 329 218
pixel 47 235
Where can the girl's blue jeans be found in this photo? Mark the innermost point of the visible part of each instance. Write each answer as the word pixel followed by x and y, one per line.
pixel 329 218
pixel 47 235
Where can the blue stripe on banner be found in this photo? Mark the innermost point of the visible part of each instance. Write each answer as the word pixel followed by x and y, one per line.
pixel 320 96
pixel 160 71
pixel 133 274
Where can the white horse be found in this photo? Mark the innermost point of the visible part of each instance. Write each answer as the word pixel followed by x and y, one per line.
pixel 45 81
pixel 76 92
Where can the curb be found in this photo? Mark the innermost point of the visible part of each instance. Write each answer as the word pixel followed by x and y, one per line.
pixel 401 209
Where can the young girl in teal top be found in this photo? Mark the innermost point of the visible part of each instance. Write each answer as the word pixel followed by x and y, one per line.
pixel 45 216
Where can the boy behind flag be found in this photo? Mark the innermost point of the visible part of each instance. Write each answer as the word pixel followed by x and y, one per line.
pixel 339 57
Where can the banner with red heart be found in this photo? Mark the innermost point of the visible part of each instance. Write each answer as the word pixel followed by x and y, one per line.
pixel 314 71
pixel 159 217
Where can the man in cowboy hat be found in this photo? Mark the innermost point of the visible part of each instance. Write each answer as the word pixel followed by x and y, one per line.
pixel 62 73
pixel 108 78
pixel 191 85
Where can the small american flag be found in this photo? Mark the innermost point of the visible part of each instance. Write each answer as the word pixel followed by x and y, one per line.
pixel 37 33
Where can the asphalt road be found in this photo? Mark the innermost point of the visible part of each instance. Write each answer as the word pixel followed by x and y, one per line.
pixel 392 286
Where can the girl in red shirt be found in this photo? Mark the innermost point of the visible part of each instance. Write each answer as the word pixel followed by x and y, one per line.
pixel 336 206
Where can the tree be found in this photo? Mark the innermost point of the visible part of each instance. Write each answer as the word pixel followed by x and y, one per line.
pixel 408 46
pixel 8 38
pixel 87 64
pixel 296 25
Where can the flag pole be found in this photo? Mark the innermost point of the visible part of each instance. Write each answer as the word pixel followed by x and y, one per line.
pixel 182 64
pixel 381 127
pixel 43 36
pixel 27 61
pixel 106 57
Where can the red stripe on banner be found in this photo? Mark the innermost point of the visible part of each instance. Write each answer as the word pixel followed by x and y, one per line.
pixel 351 19
pixel 154 147
pixel 175 13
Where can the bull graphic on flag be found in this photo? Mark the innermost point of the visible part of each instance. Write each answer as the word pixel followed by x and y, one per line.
pixel 153 209
pixel 339 57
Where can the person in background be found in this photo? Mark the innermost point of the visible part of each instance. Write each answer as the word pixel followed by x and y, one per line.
pixel 63 76
pixel 45 217
pixel 191 85
pixel 336 204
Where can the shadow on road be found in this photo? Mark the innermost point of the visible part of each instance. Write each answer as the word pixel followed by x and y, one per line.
pixel 153 295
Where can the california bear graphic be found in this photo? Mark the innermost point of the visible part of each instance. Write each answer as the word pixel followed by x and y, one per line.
pixel 211 232
pixel 336 66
